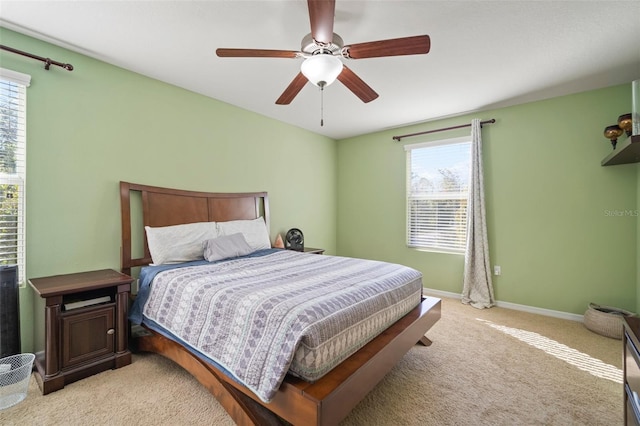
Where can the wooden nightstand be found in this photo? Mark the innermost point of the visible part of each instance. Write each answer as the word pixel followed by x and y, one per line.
pixel 313 250
pixel 82 340
pixel 309 250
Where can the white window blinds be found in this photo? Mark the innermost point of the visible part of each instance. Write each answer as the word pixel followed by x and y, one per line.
pixel 437 190
pixel 13 140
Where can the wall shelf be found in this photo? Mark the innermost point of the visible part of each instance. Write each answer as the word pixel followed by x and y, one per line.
pixel 627 151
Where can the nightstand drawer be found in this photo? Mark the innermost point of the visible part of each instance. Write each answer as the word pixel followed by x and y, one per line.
pixel 313 250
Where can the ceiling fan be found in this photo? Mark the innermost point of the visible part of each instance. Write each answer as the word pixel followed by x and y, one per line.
pixel 322 50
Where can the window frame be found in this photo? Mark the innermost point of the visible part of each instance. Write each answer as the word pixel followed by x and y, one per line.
pixel 19 178
pixel 436 246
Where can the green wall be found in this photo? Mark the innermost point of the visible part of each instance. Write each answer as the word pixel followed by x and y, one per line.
pixel 90 128
pixel 550 205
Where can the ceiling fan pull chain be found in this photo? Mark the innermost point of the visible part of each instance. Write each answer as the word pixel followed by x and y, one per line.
pixel 322 105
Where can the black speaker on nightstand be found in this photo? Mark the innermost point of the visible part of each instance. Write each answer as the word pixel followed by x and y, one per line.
pixel 9 311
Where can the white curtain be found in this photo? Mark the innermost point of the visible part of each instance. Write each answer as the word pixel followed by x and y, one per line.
pixel 477 288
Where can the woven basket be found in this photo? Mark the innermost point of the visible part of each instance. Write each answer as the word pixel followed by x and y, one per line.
pixel 605 320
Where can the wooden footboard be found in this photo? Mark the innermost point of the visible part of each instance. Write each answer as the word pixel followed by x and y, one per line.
pixel 325 402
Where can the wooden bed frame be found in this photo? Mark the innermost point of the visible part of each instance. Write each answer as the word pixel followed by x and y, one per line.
pixel 325 402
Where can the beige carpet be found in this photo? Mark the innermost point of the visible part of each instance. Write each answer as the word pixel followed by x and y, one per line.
pixel 473 374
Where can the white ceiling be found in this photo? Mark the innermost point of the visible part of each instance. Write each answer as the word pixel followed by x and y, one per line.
pixel 484 54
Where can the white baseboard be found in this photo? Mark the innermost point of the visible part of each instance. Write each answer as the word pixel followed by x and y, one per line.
pixel 514 306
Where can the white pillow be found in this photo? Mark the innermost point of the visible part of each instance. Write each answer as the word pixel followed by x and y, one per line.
pixel 179 243
pixel 226 247
pixel 254 232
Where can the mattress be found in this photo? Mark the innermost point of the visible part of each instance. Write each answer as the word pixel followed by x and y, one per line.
pixel 275 312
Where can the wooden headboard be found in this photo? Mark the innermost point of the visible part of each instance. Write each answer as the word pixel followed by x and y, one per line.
pixel 166 206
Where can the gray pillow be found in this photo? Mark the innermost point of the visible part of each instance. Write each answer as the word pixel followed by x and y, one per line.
pixel 225 247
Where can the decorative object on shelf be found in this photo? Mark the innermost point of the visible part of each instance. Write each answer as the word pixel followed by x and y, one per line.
pixel 278 243
pixel 294 240
pixel 612 133
pixel 628 151
pixel 624 122
pixel 605 320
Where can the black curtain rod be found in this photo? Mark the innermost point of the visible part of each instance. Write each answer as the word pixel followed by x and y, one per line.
pixel 397 138
pixel 47 62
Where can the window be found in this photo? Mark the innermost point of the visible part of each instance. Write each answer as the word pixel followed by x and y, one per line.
pixel 438 175
pixel 13 143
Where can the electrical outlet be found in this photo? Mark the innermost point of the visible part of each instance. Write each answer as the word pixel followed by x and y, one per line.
pixel 497 270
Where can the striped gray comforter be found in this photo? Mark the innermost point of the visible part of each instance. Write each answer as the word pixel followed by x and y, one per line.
pixel 261 317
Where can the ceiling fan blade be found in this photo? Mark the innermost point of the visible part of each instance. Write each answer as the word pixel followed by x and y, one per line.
pixel 356 85
pixel 415 45
pixel 321 15
pixel 256 53
pixel 292 90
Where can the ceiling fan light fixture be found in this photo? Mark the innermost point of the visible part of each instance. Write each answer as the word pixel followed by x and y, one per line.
pixel 321 69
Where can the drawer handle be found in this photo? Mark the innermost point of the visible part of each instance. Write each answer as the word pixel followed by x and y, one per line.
pixel 110 331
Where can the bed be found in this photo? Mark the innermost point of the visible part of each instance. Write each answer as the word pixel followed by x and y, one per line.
pixel 329 393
